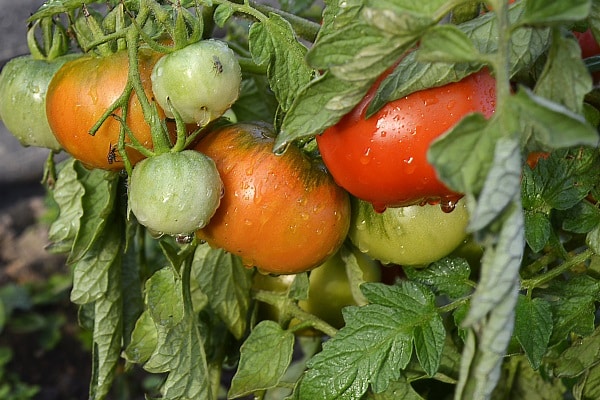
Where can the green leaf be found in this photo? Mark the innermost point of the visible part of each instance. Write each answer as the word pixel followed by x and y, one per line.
pixel 144 339
pixel 492 308
pixel 448 276
pixel 108 328
pixel 264 358
pixel 463 155
pixel 68 193
pixel 581 356
pixel 224 279
pixel 256 101
pixel 377 343
pixel 565 78
pixel 97 203
pixel 273 43
pixel 520 382
pixel 527 45
pixel 538 229
pixel 573 306
pixel 448 44
pixel 91 273
pixel 180 348
pixel 222 14
pixel 533 327
pixel 593 239
pixel 400 389
pixel 541 12
pixel 588 386
pixel 554 125
pixel 581 218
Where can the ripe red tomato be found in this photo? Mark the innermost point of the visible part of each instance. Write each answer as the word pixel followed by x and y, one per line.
pixel 589 48
pixel 281 213
pixel 80 93
pixel 383 159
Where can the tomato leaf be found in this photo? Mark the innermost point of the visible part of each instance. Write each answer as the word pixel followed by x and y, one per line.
pixel 565 78
pixel 539 12
pixel 448 44
pixel 533 327
pixel 273 43
pixel 68 193
pixel 582 355
pixel 108 328
pixel 264 358
pixel 222 14
pixel 223 278
pixel 572 303
pixel 581 218
pixel 144 339
pixel 97 203
pixel 492 307
pixel 538 229
pixel 377 343
pixel 449 276
pixel 180 349
pixel 410 75
pixel 400 389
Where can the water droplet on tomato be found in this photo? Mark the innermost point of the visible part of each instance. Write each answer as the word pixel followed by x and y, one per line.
pixel 155 234
pixel 281 148
pixel 451 104
pixel 379 208
pixel 361 225
pixel 448 205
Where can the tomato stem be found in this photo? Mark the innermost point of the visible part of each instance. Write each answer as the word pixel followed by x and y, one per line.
pixel 542 279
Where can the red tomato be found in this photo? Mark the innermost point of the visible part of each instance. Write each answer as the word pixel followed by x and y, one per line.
pixel 80 93
pixel 281 213
pixel 383 159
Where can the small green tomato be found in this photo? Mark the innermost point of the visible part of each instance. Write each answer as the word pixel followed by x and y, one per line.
pixel 201 81
pixel 413 235
pixel 175 193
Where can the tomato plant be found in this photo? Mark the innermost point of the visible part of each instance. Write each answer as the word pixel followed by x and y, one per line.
pixel 354 122
pixel 202 80
pixel 383 159
pixel 78 96
pixel 412 235
pixel 175 193
pixel 282 214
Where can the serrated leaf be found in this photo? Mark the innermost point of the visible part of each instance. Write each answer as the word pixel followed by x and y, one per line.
pixel 108 333
pixel 429 343
pixel 448 276
pixel 565 78
pixel 264 358
pixel 144 339
pixel 554 125
pixel 91 272
pixel 447 44
pixel 581 218
pixel 164 298
pixel 273 43
pixel 533 327
pixel 97 203
pixel 224 279
pixel 492 308
pixel 502 184
pixel 376 343
pixel 400 389
pixel 527 45
pixel 67 193
pixel 541 12
pixel 581 356
pixel 538 229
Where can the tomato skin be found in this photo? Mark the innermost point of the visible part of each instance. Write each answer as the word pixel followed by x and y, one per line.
pixel 174 193
pixel 202 80
pixel 280 213
pixel 328 292
pixel 383 159
pixel 23 86
pixel 588 44
pixel 413 235
pixel 80 93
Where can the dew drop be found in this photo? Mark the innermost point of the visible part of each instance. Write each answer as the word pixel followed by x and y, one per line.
pixel 448 205
pixel 184 238
pixel 281 148
pixel 379 208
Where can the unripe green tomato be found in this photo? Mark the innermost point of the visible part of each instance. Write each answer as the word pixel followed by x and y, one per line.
pixel 175 193
pixel 201 80
pixel 328 293
pixel 413 235
pixel 23 85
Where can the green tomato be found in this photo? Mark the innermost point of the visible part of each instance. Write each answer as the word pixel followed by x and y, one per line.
pixel 175 193
pixel 201 81
pixel 23 85
pixel 329 289
pixel 413 235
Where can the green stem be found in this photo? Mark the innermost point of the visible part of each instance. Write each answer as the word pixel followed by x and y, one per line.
pixel 542 279
pixel 304 28
pixel 295 311
pixel 454 305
